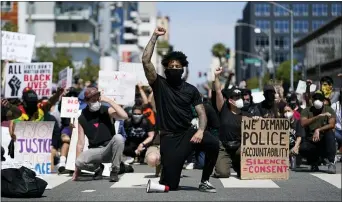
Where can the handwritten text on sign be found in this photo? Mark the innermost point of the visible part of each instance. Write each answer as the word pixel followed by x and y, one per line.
pixel 37 76
pixel 65 78
pixel 119 86
pixel 134 68
pixel 33 145
pixel 17 47
pixel 265 149
pixel 70 107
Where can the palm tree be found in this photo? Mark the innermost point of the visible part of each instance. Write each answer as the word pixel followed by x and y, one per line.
pixel 219 50
pixel 11 27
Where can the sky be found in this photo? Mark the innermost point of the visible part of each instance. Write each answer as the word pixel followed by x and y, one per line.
pixel 196 26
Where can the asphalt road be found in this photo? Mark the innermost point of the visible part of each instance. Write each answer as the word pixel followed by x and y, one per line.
pixel 301 186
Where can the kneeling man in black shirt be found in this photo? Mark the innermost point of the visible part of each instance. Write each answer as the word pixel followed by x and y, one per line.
pixel 174 98
pixel 96 122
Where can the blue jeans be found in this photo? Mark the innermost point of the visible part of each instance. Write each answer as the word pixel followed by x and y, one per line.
pixel 338 137
pixel 198 159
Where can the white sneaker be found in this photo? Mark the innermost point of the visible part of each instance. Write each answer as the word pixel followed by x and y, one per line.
pixel 61 167
pixel 190 166
pixel 129 161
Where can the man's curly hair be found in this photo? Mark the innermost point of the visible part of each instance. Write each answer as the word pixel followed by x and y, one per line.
pixel 175 55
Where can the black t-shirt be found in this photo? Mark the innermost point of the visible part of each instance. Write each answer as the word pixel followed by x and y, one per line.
pixel 56 134
pixel 268 112
pixel 97 126
pixel 230 124
pixel 296 131
pixel 137 132
pixel 4 111
pixel 174 105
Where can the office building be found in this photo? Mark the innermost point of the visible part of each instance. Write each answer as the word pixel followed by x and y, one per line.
pixel 274 21
pixel 323 52
pixel 71 25
pixel 163 44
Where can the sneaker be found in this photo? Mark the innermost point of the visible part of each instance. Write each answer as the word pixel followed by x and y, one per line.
pixel 314 168
pixel 98 172
pixel 190 166
pixel 114 175
pixel 207 187
pixel 129 161
pixel 331 168
pixel 61 167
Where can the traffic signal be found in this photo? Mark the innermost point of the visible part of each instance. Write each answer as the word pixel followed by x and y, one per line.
pixel 227 53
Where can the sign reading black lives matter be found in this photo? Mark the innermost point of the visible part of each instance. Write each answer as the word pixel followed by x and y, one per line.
pixel 265 149
pixel 37 76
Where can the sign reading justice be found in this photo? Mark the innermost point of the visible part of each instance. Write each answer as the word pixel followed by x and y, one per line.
pixel 265 149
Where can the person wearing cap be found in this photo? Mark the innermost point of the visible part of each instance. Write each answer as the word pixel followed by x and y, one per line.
pixel 268 108
pixel 96 122
pixel 319 142
pixel 230 114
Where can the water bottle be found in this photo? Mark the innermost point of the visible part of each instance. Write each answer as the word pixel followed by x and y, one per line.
pixel 293 162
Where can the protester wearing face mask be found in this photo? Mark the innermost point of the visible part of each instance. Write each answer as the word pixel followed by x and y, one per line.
pixel 248 104
pixel 96 122
pixel 140 133
pixel 294 104
pixel 326 83
pixel 230 129
pixel 174 98
pixel 319 143
pixel 268 108
pixel 297 133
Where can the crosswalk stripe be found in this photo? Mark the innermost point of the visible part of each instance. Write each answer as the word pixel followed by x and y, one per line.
pixel 54 180
pixel 134 180
pixel 234 182
pixel 333 179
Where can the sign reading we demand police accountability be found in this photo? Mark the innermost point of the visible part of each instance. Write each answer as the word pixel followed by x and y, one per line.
pixel 265 149
pixel 37 76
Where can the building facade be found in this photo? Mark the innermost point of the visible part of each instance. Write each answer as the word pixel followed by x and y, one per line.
pixel 274 21
pixel 9 12
pixel 323 51
pixel 72 25
pixel 163 44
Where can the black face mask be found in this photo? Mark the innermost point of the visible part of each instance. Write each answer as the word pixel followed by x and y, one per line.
pixel 293 106
pixel 174 76
pixel 30 107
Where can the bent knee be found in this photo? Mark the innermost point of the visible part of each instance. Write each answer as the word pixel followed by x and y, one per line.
pixel 66 139
pixel 79 163
pixel 153 159
pixel 119 139
pixel 222 173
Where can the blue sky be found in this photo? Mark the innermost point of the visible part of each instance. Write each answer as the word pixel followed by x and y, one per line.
pixel 196 26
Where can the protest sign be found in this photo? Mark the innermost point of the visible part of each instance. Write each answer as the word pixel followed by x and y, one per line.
pixel 65 78
pixel 119 86
pixel 17 47
pixel 265 148
pixel 70 107
pixel 301 87
pixel 37 76
pixel 33 145
pixel 135 69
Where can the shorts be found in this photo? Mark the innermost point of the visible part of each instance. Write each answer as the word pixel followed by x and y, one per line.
pixel 66 131
pixel 152 149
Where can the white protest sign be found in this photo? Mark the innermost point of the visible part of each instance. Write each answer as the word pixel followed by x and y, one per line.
pixel 134 68
pixel 119 86
pixel 65 78
pixel 17 47
pixel 37 76
pixel 258 97
pixel 301 87
pixel 70 164
pixel 33 145
pixel 70 107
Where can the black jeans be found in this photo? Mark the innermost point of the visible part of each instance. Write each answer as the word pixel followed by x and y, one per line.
pixel 325 148
pixel 175 149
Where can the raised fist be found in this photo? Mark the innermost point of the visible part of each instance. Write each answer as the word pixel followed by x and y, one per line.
pixel 14 83
pixel 218 71
pixel 159 31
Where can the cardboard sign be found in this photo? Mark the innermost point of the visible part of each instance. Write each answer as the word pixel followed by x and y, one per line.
pixel 70 107
pixel 17 47
pixel 33 145
pixel 265 149
pixel 119 86
pixel 134 68
pixel 37 76
pixel 301 87
pixel 65 78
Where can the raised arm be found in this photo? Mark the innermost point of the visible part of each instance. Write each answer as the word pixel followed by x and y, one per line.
pixel 150 71
pixel 219 96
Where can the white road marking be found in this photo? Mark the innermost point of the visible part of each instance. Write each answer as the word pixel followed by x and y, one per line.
pixel 135 180
pixel 88 191
pixel 54 180
pixel 234 182
pixel 333 179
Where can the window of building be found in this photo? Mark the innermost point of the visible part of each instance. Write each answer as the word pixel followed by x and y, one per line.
pixel 300 9
pixel 300 26
pixel 317 24
pixel 145 20
pixel 6 6
pixel 320 10
pixel 74 27
pixel 264 25
pixel 261 41
pixel 281 43
pixel 279 11
pixel 281 26
pixel 262 9
pixel 280 57
pixel 336 9
pixel 145 33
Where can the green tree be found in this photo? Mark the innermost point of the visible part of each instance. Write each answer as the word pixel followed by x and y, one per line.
pixel 253 83
pixel 284 70
pixel 11 27
pixel 90 71
pixel 219 50
pixel 61 59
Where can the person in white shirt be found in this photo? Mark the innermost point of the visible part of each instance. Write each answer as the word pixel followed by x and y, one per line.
pixel 338 126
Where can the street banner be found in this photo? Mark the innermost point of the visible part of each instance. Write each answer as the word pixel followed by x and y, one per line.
pixel 33 145
pixel 136 69
pixel 265 149
pixel 118 85
pixel 70 107
pixel 301 87
pixel 17 47
pixel 37 76
pixel 65 78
